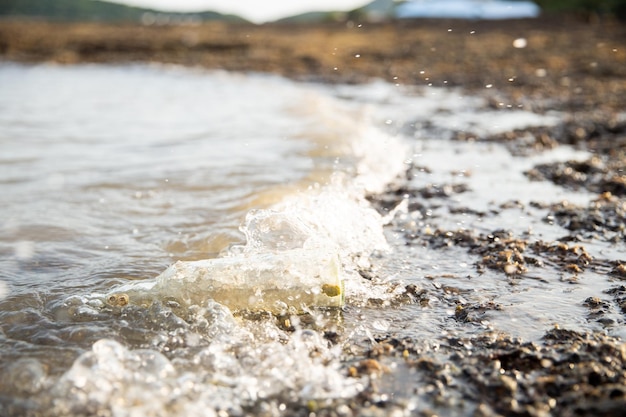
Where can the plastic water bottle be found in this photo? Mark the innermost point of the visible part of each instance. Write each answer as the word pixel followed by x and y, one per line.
pixel 278 282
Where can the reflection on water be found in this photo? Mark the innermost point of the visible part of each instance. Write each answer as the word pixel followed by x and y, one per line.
pixel 111 174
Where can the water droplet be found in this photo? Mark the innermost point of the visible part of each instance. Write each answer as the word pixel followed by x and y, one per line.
pixel 520 43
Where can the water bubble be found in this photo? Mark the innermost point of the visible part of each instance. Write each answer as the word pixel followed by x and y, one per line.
pixel 25 376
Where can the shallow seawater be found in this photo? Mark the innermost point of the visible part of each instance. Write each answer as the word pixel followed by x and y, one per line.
pixel 110 174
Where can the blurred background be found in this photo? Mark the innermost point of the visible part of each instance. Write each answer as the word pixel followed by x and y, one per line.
pixel 194 11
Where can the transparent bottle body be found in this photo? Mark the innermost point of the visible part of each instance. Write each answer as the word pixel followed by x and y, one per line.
pixel 279 282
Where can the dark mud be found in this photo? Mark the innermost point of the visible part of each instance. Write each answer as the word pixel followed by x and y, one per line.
pixel 476 369
pixel 567 373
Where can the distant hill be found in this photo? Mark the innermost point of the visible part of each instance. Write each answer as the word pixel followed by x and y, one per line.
pixel 375 10
pixel 313 17
pixel 96 10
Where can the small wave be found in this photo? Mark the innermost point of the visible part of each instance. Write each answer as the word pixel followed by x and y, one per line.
pixel 303 252
pixel 329 224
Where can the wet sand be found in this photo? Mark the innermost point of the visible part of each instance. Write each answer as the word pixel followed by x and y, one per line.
pixel 539 65
pixel 556 62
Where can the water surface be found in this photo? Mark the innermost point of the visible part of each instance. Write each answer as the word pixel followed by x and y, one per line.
pixel 112 173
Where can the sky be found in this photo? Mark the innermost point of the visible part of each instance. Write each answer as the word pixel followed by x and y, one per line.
pixel 255 10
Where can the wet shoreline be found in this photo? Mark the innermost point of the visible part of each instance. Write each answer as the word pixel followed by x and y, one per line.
pixel 474 368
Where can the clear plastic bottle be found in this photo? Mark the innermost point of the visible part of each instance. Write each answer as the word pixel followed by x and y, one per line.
pixel 279 282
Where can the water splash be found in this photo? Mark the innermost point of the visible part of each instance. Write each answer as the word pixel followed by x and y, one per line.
pixel 233 373
pixel 189 340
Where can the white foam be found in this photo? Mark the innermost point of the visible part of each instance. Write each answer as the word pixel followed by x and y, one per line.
pixel 234 372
